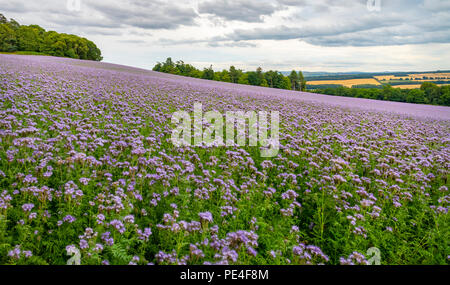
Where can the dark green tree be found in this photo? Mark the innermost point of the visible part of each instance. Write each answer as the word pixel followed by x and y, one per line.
pixel 3 19
pixel 244 79
pixel 286 83
pixel 33 38
pixel 235 74
pixel 208 73
pixel 432 92
pixel 302 81
pixel 295 82
pixel 8 40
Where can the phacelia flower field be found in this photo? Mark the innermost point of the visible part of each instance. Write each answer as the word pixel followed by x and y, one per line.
pixel 87 164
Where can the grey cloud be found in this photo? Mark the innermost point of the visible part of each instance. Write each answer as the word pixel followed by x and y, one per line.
pixel 211 42
pixel 102 32
pixel 108 14
pixel 169 42
pixel 231 44
pixel 9 6
pixel 242 10
pixel 146 15
pixel 133 41
pixel 399 23
pixel 324 23
pixel 377 38
pixel 306 30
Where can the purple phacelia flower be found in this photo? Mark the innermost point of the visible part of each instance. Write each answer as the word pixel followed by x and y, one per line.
pixel 206 217
pixel 129 219
pixel 84 244
pixel 144 235
pixel 69 219
pixel 27 207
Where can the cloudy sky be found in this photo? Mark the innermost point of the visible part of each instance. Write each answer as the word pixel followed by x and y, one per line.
pixel 311 35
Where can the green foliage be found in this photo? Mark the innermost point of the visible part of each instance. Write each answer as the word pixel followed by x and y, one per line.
pixel 256 78
pixel 225 76
pixel 276 80
pixel 244 79
pixel 235 74
pixel 286 84
pixel 302 81
pixel 295 83
pixel 208 73
pixel 264 83
pixel 34 39
pixel 7 38
pixel 432 92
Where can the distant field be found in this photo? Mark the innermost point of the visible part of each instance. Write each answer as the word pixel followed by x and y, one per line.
pixel 413 86
pixel 447 75
pixel 346 83
pixel 422 77
pixel 393 81
pixel 399 80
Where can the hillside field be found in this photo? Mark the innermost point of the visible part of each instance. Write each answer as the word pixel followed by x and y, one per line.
pixel 87 166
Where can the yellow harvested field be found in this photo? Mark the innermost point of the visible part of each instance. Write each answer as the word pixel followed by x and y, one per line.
pixel 416 77
pixel 346 83
pixel 447 75
pixel 413 86
pixel 428 80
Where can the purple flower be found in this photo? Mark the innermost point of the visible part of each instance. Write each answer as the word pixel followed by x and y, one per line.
pixel 106 237
pixel 84 244
pixel 206 217
pixel 129 219
pixel 273 254
pixel 84 181
pixel 69 219
pixel 354 258
pixel 27 207
pixel 144 235
pixel 15 253
pixel 100 219
pixel 98 247
pixel 229 254
pixel 252 251
pixel 118 225
pixel 290 194
pixel 27 253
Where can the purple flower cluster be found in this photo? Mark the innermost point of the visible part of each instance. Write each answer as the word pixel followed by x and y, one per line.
pixel 206 217
pixel 308 253
pixel 18 253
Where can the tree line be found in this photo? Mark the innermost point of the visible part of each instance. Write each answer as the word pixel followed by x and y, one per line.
pixel 429 93
pixel 272 79
pixel 16 38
